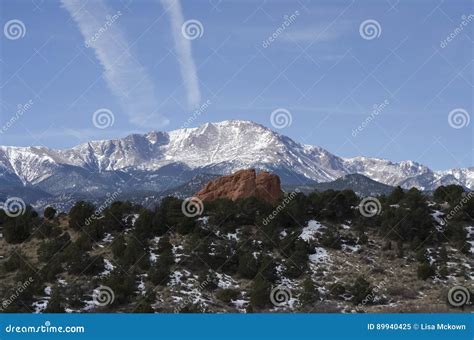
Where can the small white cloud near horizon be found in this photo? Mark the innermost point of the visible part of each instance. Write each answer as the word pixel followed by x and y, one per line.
pixel 124 75
pixel 183 49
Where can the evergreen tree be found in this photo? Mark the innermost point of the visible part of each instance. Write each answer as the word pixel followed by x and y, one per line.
pixel 248 265
pixel 81 213
pixel 49 213
pixel 56 302
pixel 310 294
pixel 360 290
pixel 260 294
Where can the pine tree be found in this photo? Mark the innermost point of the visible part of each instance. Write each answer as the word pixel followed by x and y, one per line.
pixel 260 294
pixel 56 302
pixel 49 213
pixel 310 294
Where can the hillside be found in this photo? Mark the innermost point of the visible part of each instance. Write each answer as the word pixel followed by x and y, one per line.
pixel 322 252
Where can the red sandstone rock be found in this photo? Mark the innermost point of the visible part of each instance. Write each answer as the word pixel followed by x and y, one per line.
pixel 243 184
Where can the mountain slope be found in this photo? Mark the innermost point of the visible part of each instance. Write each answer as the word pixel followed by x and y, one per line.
pixel 160 161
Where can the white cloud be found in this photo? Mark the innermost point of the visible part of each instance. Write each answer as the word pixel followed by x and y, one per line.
pixel 124 75
pixel 183 49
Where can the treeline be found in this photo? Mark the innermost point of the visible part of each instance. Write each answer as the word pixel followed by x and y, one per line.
pixel 229 237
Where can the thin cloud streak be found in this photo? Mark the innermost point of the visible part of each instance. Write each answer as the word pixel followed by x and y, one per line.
pixel 124 75
pixel 183 49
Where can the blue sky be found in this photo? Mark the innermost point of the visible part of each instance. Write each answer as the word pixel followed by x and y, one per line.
pixel 319 67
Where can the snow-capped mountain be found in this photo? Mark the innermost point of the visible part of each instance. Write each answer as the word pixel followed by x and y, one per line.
pixel 161 160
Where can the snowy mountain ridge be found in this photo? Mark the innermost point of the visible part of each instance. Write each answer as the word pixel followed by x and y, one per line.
pixel 218 148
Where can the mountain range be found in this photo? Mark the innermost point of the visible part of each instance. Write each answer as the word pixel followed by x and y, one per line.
pixel 158 162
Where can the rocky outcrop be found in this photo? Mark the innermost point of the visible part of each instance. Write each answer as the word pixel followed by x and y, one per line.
pixel 243 184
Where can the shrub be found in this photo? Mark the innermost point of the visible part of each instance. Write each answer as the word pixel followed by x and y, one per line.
pixel 260 294
pixel 227 295
pixel 360 290
pixel 425 271
pixel 49 213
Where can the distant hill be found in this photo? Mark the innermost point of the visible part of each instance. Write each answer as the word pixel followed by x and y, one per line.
pixel 360 184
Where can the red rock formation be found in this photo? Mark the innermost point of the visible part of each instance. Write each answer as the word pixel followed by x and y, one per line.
pixel 243 184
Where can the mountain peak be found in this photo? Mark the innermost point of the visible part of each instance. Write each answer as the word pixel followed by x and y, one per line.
pixel 219 148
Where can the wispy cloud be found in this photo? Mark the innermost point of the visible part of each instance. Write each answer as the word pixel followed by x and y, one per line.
pixel 124 75
pixel 183 49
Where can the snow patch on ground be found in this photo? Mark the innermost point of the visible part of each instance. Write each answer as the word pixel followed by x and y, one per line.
pixel 226 281
pixel 108 268
pixel 320 256
pixel 233 236
pixel 108 238
pixel 350 248
pixel 40 305
pixel 309 232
